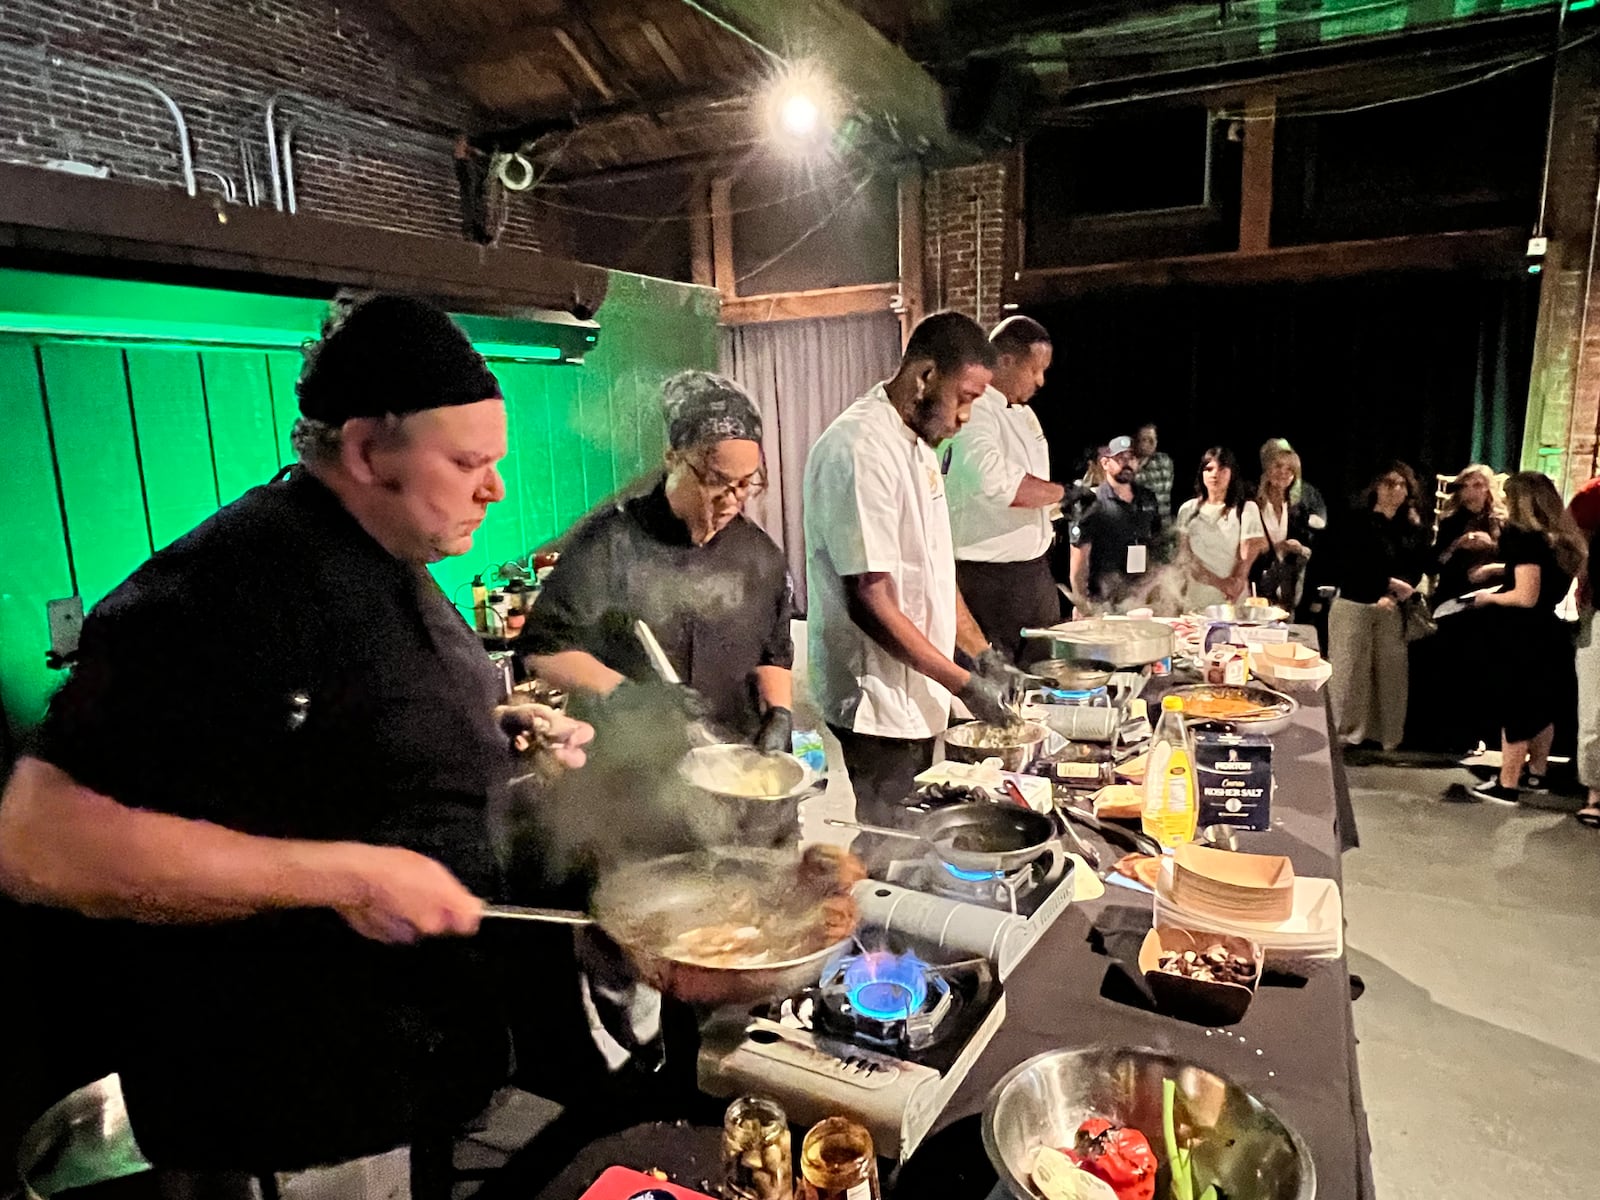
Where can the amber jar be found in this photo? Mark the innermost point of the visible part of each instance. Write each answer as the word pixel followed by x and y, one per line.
pixel 837 1162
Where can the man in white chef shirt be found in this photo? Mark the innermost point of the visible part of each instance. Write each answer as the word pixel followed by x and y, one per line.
pixel 884 616
pixel 1001 497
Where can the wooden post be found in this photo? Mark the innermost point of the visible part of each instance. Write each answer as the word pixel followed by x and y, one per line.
pixel 1255 204
pixel 722 235
pixel 700 266
pixel 908 199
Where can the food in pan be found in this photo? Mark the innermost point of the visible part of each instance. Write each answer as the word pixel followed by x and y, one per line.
pixel 724 945
pixel 741 771
pixel 982 736
pixel 1222 704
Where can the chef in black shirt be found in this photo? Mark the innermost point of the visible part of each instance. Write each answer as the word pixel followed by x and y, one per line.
pixel 267 778
pixel 712 586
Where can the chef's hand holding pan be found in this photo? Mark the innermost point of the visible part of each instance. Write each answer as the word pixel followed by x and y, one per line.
pixel 776 734
pixel 537 726
pixel 392 894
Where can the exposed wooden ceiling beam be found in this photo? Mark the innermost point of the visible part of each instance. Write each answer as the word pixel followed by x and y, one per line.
pixel 880 78
pixel 664 51
pixel 596 80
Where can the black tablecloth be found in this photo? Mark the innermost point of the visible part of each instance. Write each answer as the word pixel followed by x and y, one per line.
pixel 1295 1047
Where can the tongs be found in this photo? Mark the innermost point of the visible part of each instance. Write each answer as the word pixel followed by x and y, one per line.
pixel 700 734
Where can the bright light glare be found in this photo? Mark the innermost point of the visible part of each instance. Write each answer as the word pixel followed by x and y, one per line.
pixel 799 115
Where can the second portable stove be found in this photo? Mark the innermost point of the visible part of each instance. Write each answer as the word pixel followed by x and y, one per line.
pixel 998 915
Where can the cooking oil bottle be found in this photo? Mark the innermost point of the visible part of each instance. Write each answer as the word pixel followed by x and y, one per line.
pixel 1170 803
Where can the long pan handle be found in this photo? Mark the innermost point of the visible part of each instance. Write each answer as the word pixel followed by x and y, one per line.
pixel 547 916
pixel 881 830
pixel 659 662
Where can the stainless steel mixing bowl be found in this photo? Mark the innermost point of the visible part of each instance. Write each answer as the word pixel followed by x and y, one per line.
pixel 1237 1142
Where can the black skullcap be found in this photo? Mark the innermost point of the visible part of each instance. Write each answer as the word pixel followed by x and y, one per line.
pixel 702 408
pixel 391 354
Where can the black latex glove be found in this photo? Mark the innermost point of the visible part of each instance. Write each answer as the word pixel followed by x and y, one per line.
pixel 1013 683
pixel 776 731
pixel 985 700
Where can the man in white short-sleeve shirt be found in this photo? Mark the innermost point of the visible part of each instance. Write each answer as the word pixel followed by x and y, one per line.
pixel 1001 496
pixel 885 617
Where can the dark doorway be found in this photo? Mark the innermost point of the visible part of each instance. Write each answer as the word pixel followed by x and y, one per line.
pixel 1429 367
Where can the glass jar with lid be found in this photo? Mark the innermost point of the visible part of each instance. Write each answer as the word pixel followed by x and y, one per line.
pixel 837 1162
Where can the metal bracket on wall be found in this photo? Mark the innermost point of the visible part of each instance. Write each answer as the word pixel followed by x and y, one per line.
pixel 66 623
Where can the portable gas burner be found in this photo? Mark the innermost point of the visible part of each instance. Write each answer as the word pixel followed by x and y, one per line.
pixel 996 914
pixel 886 1037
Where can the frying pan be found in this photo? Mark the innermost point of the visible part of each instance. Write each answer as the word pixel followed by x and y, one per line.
pixel 643 906
pixel 977 836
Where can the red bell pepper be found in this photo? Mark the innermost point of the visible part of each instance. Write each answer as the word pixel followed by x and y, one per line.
pixel 1119 1155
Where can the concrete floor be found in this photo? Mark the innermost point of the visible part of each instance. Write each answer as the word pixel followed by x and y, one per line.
pixel 1477 931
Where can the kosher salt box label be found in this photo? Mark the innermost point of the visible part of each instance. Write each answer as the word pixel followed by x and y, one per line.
pixel 1234 773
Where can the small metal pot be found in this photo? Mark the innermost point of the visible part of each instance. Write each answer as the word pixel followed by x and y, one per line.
pixel 959 747
pixel 760 821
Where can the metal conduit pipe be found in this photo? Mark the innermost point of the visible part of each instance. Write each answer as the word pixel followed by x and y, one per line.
pixel 247 173
pixel 391 136
pixel 285 152
pixel 230 192
pixel 42 57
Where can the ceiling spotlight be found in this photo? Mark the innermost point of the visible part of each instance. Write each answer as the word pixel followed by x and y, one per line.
pixel 799 115
pixel 801 109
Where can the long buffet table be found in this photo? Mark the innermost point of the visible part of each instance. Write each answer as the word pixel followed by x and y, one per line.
pixel 1295 1048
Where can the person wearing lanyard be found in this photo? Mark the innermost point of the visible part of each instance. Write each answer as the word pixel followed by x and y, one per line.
pixel 1001 494
pixel 885 615
pixel 266 781
pixel 712 586
pixel 1113 543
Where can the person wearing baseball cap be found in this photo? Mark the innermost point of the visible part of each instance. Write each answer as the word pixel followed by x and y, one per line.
pixel 1116 542
pixel 256 812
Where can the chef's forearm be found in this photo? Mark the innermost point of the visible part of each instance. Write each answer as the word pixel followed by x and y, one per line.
pixel 969 635
pixel 574 670
pixel 873 606
pixel 1078 572
pixel 1034 492
pixel 775 687
pixel 66 845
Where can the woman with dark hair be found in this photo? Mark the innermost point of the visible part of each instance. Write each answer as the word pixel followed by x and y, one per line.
pixel 1531 671
pixel 1219 534
pixel 1382 550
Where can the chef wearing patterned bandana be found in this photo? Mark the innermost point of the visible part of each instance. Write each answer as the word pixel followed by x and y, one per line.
pixel 684 559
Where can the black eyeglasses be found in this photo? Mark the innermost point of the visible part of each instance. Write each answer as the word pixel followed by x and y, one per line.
pixel 719 485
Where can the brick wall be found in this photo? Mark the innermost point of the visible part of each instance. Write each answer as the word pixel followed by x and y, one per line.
pixel 221 60
pixel 1564 393
pixel 964 244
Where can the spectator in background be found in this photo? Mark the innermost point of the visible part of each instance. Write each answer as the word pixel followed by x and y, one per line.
pixel 1585 513
pixel 1289 527
pixel 1309 496
pixel 1155 470
pixel 1219 534
pixel 1464 553
pixel 1530 665
pixel 1115 543
pixel 1382 549
pixel 1466 549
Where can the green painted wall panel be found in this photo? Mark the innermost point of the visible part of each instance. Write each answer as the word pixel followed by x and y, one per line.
pixel 33 568
pixel 577 435
pixel 169 411
pixel 283 368
pixel 243 433
pixel 88 397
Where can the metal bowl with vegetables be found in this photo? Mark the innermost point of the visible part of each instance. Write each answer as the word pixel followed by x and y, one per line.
pixel 1141 1125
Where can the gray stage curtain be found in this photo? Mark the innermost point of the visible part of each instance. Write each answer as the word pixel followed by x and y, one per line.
pixel 802 374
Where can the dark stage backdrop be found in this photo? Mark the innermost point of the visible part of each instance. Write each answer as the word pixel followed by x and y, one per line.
pixel 1430 368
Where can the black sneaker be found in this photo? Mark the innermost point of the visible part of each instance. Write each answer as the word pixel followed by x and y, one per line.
pixel 1492 791
pixel 1533 783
